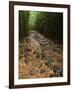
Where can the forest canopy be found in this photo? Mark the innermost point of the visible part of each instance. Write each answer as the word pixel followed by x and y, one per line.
pixel 49 24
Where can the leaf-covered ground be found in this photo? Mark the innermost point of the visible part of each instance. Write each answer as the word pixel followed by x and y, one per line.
pixel 40 57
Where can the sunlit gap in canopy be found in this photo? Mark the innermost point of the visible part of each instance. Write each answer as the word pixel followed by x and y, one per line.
pixel 33 15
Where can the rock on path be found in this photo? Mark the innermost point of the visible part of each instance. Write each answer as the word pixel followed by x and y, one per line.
pixel 48 61
pixel 41 57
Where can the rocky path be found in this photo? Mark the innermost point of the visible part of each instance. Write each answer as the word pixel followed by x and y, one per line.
pixel 44 43
pixel 41 58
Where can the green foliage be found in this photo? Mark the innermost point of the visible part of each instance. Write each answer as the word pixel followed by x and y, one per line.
pixel 32 19
pixel 23 24
pixel 47 23
pixel 50 25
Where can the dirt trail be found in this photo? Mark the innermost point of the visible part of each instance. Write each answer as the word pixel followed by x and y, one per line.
pixel 41 58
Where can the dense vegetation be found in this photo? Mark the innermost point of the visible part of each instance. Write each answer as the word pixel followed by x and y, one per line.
pixel 23 24
pixel 40 44
pixel 47 23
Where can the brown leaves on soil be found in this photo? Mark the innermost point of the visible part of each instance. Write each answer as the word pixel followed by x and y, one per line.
pixel 36 66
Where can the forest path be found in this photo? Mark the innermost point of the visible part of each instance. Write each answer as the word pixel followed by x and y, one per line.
pixel 46 48
pixel 45 58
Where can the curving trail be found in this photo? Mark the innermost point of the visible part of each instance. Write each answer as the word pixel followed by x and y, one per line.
pixel 41 57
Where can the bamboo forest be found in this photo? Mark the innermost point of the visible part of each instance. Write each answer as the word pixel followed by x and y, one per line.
pixel 40 44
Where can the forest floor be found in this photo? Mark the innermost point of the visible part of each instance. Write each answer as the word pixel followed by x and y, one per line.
pixel 40 57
